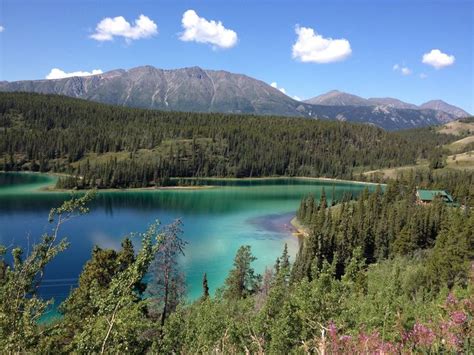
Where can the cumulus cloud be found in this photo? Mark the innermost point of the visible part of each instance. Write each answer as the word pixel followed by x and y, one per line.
pixel 275 85
pixel 313 47
pixel 406 71
pixel 56 73
pixel 198 29
pixel 2 29
pixel 109 28
pixel 423 76
pixel 438 59
pixel 402 69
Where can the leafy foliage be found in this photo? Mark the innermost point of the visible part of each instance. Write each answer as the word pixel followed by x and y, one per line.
pixel 166 286
pixel 20 306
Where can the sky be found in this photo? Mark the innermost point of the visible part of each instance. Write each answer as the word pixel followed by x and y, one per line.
pixel 413 50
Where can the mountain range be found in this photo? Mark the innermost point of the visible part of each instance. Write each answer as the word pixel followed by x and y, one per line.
pixel 199 90
pixel 338 98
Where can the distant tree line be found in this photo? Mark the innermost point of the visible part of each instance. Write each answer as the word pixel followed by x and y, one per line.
pixel 108 146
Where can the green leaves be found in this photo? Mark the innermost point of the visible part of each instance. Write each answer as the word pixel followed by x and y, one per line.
pixel 20 307
pixel 72 207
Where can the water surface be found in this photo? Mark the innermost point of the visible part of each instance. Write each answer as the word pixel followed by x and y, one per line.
pixel 216 222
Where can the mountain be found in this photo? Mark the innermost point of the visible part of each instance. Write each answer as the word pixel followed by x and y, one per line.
pixel 440 105
pixel 440 110
pixel 388 101
pixel 338 98
pixel 386 117
pixel 199 90
pixel 188 89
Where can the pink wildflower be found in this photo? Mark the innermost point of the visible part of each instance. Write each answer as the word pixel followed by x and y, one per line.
pixel 451 300
pixel 458 317
pixel 422 335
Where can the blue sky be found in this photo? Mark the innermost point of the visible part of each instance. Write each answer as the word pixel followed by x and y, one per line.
pixel 387 41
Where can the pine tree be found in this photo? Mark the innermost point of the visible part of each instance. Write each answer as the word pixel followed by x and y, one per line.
pixel 242 280
pixel 277 265
pixel 205 287
pixel 453 252
pixel 285 258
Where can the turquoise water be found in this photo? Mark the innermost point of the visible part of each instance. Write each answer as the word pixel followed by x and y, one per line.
pixel 217 221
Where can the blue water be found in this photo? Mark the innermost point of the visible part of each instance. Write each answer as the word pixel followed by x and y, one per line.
pixel 217 221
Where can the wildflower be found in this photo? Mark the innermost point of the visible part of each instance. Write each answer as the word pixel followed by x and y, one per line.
pixel 422 335
pixel 452 341
pixel 451 300
pixel 458 317
pixel 345 338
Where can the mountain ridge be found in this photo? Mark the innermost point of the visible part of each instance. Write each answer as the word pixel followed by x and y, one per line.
pixel 340 98
pixel 202 90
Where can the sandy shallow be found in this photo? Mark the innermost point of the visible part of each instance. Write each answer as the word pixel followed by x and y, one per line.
pixel 300 230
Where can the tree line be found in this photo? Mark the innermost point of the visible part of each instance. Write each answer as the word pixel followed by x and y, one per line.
pixel 108 146
pixel 459 183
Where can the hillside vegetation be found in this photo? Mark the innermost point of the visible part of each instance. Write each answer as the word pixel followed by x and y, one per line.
pixel 455 154
pixel 106 146
pixel 462 127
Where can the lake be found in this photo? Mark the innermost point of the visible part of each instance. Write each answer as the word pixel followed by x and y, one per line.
pixel 216 222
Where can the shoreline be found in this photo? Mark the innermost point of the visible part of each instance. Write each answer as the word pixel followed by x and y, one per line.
pixel 301 231
pixel 130 189
pixel 51 188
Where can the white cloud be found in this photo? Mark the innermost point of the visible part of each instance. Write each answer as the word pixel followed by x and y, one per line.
pixel 312 47
pixel 200 30
pixel 56 73
pixel 274 85
pixel 109 28
pixel 438 59
pixel 402 69
pixel 2 29
pixel 423 76
pixel 406 71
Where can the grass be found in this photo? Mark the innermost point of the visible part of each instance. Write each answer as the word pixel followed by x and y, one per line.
pixel 457 128
pixel 464 161
pixel 459 159
pixel 461 144
pixel 393 172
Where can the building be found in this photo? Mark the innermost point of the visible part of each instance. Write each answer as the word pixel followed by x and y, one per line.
pixel 424 197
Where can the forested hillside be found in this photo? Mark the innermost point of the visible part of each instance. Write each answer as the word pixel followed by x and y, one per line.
pixel 106 146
